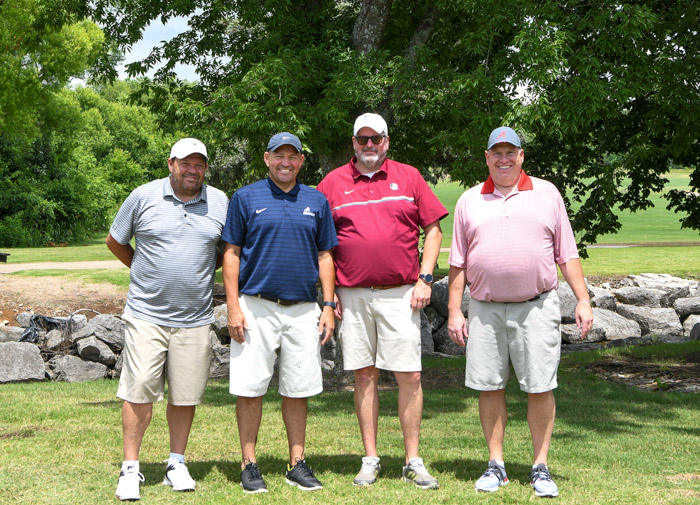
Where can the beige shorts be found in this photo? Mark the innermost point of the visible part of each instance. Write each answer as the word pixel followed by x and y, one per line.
pixel 293 332
pixel 379 328
pixel 147 349
pixel 526 334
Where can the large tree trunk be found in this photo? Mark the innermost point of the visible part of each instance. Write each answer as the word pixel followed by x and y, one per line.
pixel 370 24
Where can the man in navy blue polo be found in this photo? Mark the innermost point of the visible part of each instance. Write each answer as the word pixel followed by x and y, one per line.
pixel 278 236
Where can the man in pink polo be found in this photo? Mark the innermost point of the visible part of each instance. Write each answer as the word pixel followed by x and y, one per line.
pixel 379 207
pixel 510 233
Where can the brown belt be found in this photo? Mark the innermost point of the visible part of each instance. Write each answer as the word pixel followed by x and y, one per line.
pixel 387 286
pixel 279 301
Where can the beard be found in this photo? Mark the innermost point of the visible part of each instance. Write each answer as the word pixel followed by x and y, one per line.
pixel 370 158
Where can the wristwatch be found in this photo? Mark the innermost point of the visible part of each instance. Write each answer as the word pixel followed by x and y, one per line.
pixel 428 278
pixel 329 304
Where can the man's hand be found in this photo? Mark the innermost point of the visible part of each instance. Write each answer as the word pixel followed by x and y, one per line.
pixel 338 312
pixel 326 324
pixel 584 317
pixel 421 295
pixel 237 324
pixel 457 328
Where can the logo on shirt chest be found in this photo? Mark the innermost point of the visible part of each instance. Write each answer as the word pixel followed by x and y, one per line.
pixel 307 212
pixel 394 186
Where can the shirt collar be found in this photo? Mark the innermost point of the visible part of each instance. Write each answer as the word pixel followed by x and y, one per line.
pixel 356 173
pixel 278 191
pixel 168 191
pixel 524 184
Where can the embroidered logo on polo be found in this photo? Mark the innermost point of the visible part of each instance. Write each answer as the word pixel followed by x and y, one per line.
pixel 348 192
pixel 394 186
pixel 258 211
pixel 307 212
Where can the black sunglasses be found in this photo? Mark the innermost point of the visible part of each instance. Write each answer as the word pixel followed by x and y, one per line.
pixel 377 140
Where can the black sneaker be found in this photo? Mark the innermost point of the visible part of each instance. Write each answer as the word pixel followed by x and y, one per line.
pixel 302 476
pixel 251 479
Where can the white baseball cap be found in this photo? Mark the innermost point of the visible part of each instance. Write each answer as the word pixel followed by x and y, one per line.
pixel 184 147
pixel 370 120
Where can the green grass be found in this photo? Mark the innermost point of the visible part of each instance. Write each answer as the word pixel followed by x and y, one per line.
pixel 61 444
pixel 93 250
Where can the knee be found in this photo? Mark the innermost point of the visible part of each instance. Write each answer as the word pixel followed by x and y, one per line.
pixel 409 380
pixel 366 377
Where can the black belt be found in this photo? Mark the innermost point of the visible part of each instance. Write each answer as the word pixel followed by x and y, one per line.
pixel 279 301
pixel 537 297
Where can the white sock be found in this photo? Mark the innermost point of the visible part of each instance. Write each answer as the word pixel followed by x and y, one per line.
pixel 134 464
pixel 178 457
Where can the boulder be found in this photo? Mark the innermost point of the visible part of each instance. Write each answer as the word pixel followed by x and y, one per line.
pixel 23 319
pixel 570 334
pixel 440 297
pixel 10 333
pixel 74 369
pixel 56 341
pixel 691 322
pixel 109 329
pixel 118 365
pixel 445 345
pixel 435 320
pixel 220 360
pixel 567 303
pixel 20 362
pixel 615 326
pixel 674 287
pixel 221 320
pixel 695 332
pixel 426 334
pixel 93 349
pixel 602 298
pixel 686 306
pixel 641 297
pixel 657 321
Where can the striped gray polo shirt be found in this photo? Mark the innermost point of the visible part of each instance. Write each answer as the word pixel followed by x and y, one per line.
pixel 172 273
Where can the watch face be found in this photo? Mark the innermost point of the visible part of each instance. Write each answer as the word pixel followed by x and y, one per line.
pixel 427 277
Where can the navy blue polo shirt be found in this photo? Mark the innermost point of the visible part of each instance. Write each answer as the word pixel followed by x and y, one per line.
pixel 280 235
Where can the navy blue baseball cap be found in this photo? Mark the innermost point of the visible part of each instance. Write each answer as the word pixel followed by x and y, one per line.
pixel 283 139
pixel 503 134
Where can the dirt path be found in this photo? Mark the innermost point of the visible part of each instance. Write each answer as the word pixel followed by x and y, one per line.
pixel 10 268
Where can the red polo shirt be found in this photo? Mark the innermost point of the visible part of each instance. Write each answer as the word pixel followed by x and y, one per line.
pixel 378 222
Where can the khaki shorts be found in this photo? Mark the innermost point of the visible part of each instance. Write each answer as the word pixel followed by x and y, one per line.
pixel 146 347
pixel 526 334
pixel 380 329
pixel 293 332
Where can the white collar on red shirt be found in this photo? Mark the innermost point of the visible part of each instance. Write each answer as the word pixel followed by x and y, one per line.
pixel 524 184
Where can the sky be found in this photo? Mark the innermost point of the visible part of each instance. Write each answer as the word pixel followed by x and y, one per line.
pixel 152 36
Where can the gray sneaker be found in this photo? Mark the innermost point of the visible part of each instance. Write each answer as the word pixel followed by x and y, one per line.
pixel 368 472
pixel 416 473
pixel 493 478
pixel 542 482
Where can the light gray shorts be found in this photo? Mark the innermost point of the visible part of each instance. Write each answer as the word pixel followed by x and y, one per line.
pixel 379 328
pixel 290 330
pixel 526 334
pixel 146 347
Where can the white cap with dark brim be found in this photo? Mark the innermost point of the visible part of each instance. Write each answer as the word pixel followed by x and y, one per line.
pixel 371 120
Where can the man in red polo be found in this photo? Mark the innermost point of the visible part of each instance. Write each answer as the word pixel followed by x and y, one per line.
pixel 510 233
pixel 379 207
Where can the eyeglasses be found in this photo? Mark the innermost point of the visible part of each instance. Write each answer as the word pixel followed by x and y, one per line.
pixel 377 140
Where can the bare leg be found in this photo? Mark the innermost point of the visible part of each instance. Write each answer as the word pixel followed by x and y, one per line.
pixel 410 410
pixel 541 410
pixel 367 406
pixel 180 422
pixel 135 419
pixel 294 413
pixel 248 417
pixel 493 415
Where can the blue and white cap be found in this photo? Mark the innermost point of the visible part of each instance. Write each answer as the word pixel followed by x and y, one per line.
pixel 503 134
pixel 284 139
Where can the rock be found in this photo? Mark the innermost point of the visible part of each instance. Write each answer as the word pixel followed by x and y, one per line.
pixel 118 365
pixel 695 332
pixel 57 342
pixel 10 333
pixel 602 298
pixel 109 329
pixel 615 326
pixel 20 362
pixel 658 321
pixel 445 345
pixel 685 306
pixel 674 287
pixel 74 369
pixel 220 359
pixel 641 297
pixel 426 334
pixel 221 320
pixel 435 320
pixel 570 334
pixel 691 322
pixel 440 297
pixel 567 303
pixel 23 319
pixel 93 349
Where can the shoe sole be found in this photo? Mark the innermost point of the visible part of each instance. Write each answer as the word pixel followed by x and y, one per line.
pixel 364 483
pixel 303 488
pixel 136 498
pixel 254 491
pixel 167 482
pixel 422 486
pixel 546 495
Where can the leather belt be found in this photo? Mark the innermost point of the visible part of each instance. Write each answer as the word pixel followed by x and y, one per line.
pixel 279 301
pixel 537 297
pixel 387 286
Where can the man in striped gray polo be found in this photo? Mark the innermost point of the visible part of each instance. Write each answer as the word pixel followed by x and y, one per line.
pixel 177 224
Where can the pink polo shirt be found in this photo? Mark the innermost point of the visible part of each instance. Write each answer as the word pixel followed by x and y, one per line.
pixel 378 222
pixel 510 246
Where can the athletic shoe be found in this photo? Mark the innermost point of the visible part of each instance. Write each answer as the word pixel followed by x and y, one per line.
pixel 252 480
pixel 493 478
pixel 129 481
pixel 177 476
pixel 368 472
pixel 416 473
pixel 302 476
pixel 542 482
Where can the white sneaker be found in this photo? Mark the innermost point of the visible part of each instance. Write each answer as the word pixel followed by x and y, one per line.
pixel 177 476
pixel 493 478
pixel 368 472
pixel 129 481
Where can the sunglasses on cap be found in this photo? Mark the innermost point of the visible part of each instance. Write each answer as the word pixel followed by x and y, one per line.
pixel 377 140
